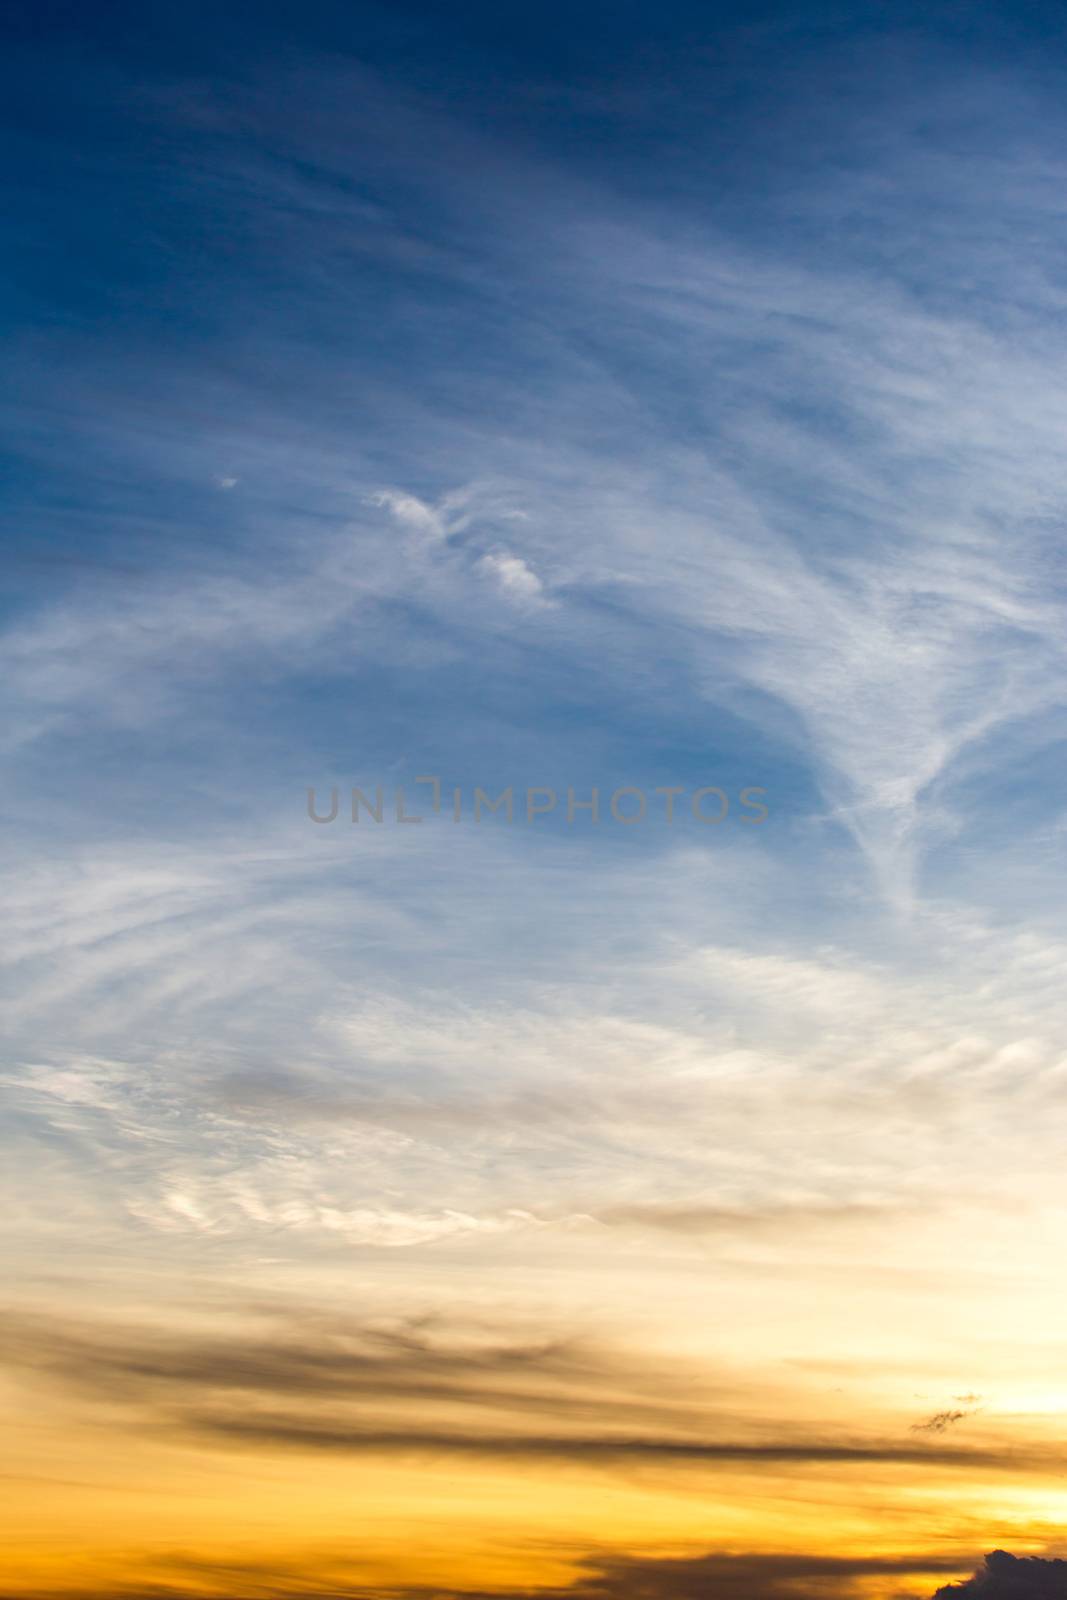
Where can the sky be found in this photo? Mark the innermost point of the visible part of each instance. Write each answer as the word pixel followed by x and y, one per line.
pixel 441 416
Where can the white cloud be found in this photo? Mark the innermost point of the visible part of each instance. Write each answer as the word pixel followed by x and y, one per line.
pixel 411 512
pixel 514 576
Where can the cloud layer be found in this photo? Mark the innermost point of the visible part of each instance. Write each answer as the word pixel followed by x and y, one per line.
pixel 489 1208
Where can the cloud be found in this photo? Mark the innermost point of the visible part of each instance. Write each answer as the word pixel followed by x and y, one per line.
pixel 318 1356
pixel 512 574
pixel 695 1220
pixel 327 1384
pixel 412 512
pixel 889 665
pixel 720 1575
pixel 740 1576
pixel 940 1422
pixel 426 1388
pixel 735 1102
pixel 274 1431
pixel 1007 1577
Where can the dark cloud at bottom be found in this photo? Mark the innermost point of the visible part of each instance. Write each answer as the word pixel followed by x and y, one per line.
pixel 743 1577
pixel 622 1577
pixel 1007 1577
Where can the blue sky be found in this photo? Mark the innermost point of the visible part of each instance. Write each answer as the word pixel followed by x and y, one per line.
pixel 677 404
pixel 665 396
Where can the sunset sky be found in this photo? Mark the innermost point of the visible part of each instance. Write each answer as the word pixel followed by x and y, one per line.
pixel 646 397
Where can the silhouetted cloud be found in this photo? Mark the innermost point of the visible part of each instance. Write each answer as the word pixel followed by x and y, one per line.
pixel 940 1422
pixel 316 1383
pixel 731 1576
pixel 1007 1577
pixel 279 1432
pixel 742 1577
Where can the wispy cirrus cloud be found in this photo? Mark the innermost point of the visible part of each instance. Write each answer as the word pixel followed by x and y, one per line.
pixel 868 580
pixel 325 1384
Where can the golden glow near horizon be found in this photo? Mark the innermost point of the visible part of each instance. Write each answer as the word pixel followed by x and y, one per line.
pixel 235 1434
pixel 630 1294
